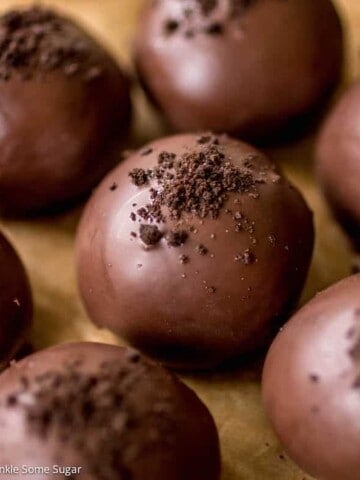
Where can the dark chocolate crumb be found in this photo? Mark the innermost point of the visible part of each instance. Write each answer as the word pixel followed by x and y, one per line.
pixel 248 257
pixel 314 378
pixel 215 28
pixel 207 6
pixel 201 249
pixel 272 239
pixel 176 238
pixel 133 234
pixel 11 400
pixel 150 234
pixel 147 151
pixel 139 177
pixel 171 26
pixel 113 187
pixel 197 183
pixel 133 216
pixel 166 159
pixel 184 259
pixel 37 40
pixel 204 139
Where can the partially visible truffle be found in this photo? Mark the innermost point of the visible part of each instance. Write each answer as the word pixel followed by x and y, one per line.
pixel 246 67
pixel 64 105
pixel 107 410
pixel 311 383
pixel 15 303
pixel 206 257
pixel 338 162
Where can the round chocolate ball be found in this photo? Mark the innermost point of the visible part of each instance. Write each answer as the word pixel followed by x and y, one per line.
pixel 107 411
pixel 64 105
pixel 15 302
pixel 246 67
pixel 338 162
pixel 311 384
pixel 193 249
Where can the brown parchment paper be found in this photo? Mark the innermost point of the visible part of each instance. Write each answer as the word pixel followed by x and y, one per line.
pixel 250 451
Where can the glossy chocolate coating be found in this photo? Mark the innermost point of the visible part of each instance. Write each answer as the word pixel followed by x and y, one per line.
pixel 311 384
pixel 15 302
pixel 218 295
pixel 108 410
pixel 60 119
pixel 245 67
pixel 338 162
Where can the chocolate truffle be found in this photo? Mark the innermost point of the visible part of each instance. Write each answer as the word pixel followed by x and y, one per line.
pixel 193 248
pixel 15 302
pixel 108 411
pixel 338 162
pixel 64 104
pixel 311 384
pixel 246 67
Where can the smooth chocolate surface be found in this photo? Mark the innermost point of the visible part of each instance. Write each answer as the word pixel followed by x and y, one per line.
pixel 338 162
pixel 108 410
pixel 64 103
pixel 15 302
pixel 311 383
pixel 193 249
pixel 246 67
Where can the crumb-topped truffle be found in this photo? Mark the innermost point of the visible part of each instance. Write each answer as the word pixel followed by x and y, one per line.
pixel 214 236
pixel 311 383
pixel 65 103
pixel 15 303
pixel 108 411
pixel 246 67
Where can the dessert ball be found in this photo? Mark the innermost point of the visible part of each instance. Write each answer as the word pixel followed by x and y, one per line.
pixel 106 411
pixel 15 302
pixel 246 67
pixel 311 384
pixel 64 104
pixel 338 162
pixel 193 249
